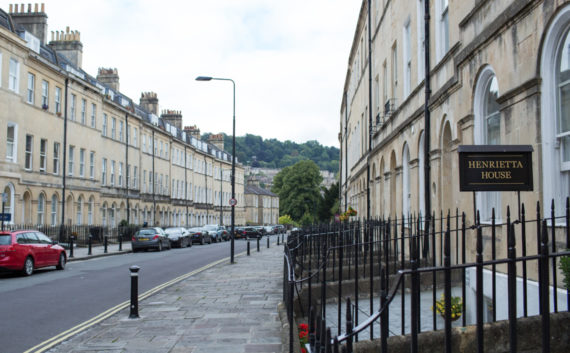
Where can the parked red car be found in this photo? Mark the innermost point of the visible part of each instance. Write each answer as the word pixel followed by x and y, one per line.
pixel 26 250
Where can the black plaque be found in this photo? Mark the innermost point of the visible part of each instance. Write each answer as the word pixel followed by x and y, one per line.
pixel 495 168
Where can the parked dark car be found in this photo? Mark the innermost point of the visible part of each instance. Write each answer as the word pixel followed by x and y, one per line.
pixel 200 235
pixel 248 232
pixel 150 238
pixel 279 229
pixel 179 237
pixel 26 250
pixel 218 232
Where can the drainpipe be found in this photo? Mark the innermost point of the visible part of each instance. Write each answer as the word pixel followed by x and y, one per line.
pixel 61 229
pixel 153 184
pixel 369 112
pixel 127 164
pixel 427 117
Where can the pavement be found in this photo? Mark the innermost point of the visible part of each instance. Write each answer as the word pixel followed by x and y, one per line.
pixel 220 308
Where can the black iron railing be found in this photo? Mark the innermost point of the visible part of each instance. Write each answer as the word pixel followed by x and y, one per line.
pixel 365 259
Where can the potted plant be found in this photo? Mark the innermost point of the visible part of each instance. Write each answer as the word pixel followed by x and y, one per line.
pixel 456 307
pixel 58 114
pixel 45 106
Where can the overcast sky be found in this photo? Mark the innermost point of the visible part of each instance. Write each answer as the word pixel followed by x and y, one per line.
pixel 288 58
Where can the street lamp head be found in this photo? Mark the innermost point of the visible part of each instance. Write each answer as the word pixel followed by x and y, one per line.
pixel 203 78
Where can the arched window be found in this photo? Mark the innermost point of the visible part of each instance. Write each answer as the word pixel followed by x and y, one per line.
pixel 90 207
pixel 487 132
pixel 79 215
pixel 406 181
pixel 555 112
pixel 9 203
pixel 41 209
pixel 54 210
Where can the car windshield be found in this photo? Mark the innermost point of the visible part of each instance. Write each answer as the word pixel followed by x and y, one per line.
pixel 172 230
pixel 195 229
pixel 145 232
pixel 210 227
pixel 5 239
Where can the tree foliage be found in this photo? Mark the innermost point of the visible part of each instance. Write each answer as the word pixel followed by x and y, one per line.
pixel 272 153
pixel 298 190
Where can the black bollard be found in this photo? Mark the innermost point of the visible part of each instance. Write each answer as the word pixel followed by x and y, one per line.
pixel 134 292
pixel 268 241
pixel 257 244
pixel 248 248
pixel 278 240
pixel 70 246
pixel 89 252
pixel 105 244
pixel 120 242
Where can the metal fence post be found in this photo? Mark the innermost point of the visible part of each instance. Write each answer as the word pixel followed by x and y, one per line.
pixel 544 289
pixel 512 290
pixel 70 246
pixel 479 293
pixel 248 253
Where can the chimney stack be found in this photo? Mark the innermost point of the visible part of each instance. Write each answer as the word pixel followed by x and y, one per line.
pixel 110 77
pixel 149 102
pixel 217 140
pixel 34 22
pixel 192 131
pixel 173 117
pixel 68 44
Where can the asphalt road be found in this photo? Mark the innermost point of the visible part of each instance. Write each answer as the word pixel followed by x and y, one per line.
pixel 34 309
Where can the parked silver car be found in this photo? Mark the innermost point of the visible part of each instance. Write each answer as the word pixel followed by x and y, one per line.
pixel 150 238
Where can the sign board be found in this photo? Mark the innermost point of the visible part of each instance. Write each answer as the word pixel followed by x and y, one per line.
pixel 233 202
pixel 5 217
pixel 495 168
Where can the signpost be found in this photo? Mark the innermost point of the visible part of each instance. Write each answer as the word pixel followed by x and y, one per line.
pixel 233 202
pixel 495 168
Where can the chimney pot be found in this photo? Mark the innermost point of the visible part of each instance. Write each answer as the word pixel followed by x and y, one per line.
pixel 43 8
pixel 29 7
pixel 36 7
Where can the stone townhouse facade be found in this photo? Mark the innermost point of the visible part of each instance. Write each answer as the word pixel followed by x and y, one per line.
pixel 498 76
pixel 262 206
pixel 69 136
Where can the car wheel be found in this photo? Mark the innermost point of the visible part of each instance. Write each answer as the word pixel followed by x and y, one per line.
pixel 159 246
pixel 61 263
pixel 28 266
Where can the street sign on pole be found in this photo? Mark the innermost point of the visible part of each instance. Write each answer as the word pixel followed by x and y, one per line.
pixel 233 202
pixel 5 217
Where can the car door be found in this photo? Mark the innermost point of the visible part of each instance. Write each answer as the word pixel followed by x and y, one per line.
pixel 37 248
pixel 51 254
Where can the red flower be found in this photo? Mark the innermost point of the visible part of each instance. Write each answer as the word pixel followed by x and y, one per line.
pixel 303 327
pixel 303 334
pixel 303 350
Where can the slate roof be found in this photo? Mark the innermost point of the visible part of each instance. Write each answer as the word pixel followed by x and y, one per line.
pixel 251 189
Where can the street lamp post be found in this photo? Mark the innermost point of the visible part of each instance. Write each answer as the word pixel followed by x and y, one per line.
pixel 208 78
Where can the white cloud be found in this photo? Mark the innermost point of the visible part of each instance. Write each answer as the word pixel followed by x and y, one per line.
pixel 288 58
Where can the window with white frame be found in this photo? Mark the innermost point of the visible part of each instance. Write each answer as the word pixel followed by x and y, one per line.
pixel 394 69
pixel 57 100
pixel 113 128
pixel 93 115
pixel 112 173
pixel 442 28
pixel 135 178
pixel 121 131
pixel 41 208
pixel 104 125
pixel 487 132
pixel 53 210
pixel 407 56
pixel 421 40
pixel 82 162
pixel 143 142
pixel 104 172
pixel 11 142
pixel 385 82
pixel 120 180
pixel 135 137
pixel 83 111
pixel 92 165
pixel 79 213
pixel 128 172
pixel 72 107
pixel 70 160
pixel 555 107
pixel 43 155
pixel 144 181
pixel 14 75
pixel 28 152
pixel 31 87
pixel 55 169
pixel 45 94
pixel 90 207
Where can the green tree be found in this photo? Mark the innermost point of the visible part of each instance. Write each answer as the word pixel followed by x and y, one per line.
pixel 298 189
pixel 329 203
